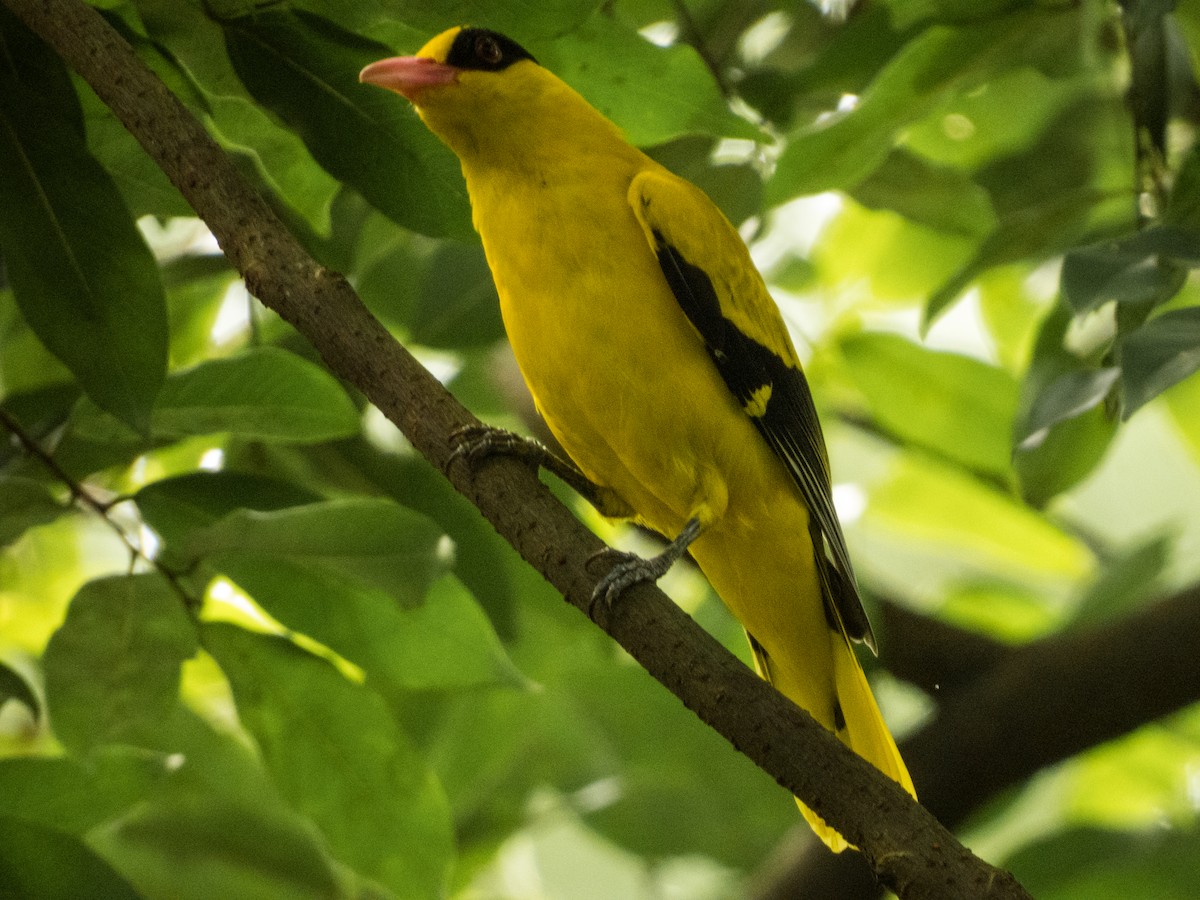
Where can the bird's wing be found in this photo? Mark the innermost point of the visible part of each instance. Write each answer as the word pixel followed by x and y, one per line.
pixel 716 284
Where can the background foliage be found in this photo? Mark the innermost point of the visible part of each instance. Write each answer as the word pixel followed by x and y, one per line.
pixel 252 646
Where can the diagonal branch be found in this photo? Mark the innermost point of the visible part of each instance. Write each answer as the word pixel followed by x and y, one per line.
pixel 908 849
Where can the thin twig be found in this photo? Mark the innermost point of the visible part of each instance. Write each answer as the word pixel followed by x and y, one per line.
pixel 102 508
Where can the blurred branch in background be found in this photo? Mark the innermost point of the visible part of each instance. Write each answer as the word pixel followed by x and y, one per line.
pixel 1004 713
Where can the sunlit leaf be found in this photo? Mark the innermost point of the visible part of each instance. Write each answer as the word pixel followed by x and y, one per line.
pixel 979 127
pixel 112 669
pixel 974 530
pixel 337 755
pixel 363 577
pixel 899 259
pixel 949 404
pixel 482 559
pixel 446 642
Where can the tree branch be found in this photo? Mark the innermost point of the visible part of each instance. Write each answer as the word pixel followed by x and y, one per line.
pixel 910 851
pixel 1058 696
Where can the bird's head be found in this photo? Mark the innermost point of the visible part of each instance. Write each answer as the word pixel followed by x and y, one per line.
pixel 466 83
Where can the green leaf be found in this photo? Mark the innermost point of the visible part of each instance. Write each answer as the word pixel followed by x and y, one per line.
pixel 446 642
pixel 1057 455
pixel 483 561
pixel 1032 232
pixel 1184 206
pixel 652 93
pixel 338 757
pixel 73 796
pixel 112 668
pixel 1124 583
pixel 143 185
pixel 519 20
pixel 437 294
pixel 1066 397
pixel 305 70
pixel 265 394
pixel 1161 353
pixel 262 394
pixel 1067 188
pixel 945 521
pixel 15 687
pixel 369 545
pixel 1069 453
pixel 1091 864
pixel 25 504
pixel 82 275
pixel 974 129
pixel 365 578
pixel 174 507
pixel 949 404
pixel 736 188
pixel 284 162
pixel 457 305
pixel 39 863
pixel 938 196
pixel 197 849
pixel 1147 268
pixel 844 149
pixel 667 762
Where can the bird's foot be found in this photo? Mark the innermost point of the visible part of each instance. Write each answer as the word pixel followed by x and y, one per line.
pixel 475 443
pixel 627 569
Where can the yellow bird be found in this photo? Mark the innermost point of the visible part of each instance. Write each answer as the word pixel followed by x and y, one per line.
pixel 660 363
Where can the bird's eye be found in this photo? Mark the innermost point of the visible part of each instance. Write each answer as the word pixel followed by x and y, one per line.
pixel 487 50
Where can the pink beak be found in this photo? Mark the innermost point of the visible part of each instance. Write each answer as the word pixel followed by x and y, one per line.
pixel 408 75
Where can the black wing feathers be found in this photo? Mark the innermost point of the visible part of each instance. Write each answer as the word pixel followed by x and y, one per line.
pixel 745 365
pixel 778 401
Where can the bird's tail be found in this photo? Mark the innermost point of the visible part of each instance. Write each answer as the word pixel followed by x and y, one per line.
pixel 856 721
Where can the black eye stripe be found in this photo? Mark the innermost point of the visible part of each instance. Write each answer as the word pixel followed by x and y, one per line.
pixel 478 48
